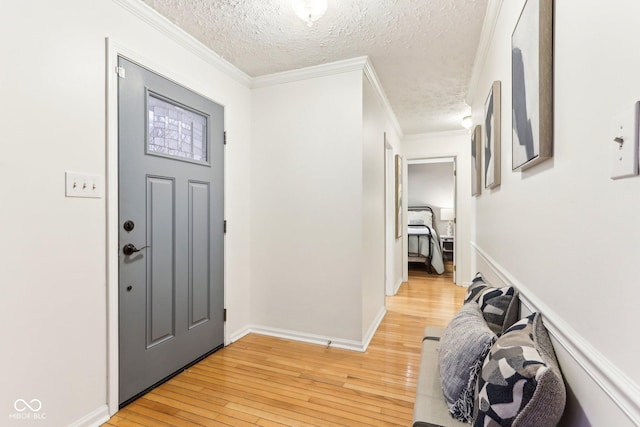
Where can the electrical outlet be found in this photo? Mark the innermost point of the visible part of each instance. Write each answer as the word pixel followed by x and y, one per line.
pixel 83 185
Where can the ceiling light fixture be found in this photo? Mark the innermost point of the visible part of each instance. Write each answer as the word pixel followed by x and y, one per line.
pixel 309 10
pixel 467 122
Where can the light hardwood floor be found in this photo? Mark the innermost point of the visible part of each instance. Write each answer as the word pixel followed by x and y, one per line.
pixel 267 381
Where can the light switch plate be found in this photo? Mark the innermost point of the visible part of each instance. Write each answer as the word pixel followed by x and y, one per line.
pixel 83 185
pixel 624 143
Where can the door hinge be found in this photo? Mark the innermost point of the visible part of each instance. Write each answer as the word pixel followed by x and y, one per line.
pixel 225 227
pixel 225 137
pixel 121 72
pixel 454 269
pixel 225 314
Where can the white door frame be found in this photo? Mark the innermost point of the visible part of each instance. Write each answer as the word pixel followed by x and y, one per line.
pixel 389 220
pixel 405 196
pixel 115 49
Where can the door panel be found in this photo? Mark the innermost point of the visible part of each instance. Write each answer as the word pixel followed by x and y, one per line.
pixel 199 253
pixel 160 263
pixel 171 161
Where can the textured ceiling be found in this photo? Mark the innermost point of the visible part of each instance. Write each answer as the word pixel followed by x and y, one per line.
pixel 422 50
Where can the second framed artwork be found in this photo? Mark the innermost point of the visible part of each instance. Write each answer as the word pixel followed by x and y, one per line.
pixel 398 196
pixel 492 137
pixel 476 161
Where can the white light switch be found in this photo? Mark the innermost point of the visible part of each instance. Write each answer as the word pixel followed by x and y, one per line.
pixel 624 143
pixel 83 185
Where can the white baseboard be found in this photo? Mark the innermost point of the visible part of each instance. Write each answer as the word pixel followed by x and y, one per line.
pixel 613 382
pixel 312 338
pixel 308 338
pixel 397 287
pixel 374 327
pixel 93 419
pixel 239 334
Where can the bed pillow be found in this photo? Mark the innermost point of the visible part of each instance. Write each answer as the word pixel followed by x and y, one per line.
pixel 499 306
pixel 464 345
pixel 520 384
pixel 419 218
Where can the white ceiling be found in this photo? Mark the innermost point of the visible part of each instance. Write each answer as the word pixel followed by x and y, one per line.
pixel 422 50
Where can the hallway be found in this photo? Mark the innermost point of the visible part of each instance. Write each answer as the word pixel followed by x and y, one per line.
pixel 266 381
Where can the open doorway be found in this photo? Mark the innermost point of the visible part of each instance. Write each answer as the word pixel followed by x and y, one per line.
pixel 431 187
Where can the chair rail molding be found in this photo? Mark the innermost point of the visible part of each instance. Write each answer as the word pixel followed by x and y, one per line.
pixel 622 391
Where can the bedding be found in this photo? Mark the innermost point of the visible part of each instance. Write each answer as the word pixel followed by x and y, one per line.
pixel 421 230
pixel 424 240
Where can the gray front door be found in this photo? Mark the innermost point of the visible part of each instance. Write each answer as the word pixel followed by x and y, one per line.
pixel 171 160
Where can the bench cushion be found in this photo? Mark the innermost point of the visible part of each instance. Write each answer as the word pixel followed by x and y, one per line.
pixel 430 409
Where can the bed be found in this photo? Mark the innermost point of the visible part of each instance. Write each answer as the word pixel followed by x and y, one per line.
pixel 423 240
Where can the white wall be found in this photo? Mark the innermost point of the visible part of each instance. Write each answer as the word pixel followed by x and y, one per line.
pixel 318 204
pixel 375 126
pixel 53 308
pixel 432 184
pixel 564 230
pixel 307 207
pixel 457 145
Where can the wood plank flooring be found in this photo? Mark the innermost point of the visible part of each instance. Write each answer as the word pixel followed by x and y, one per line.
pixel 268 381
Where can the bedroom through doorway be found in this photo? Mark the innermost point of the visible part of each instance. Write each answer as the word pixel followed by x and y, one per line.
pixel 431 191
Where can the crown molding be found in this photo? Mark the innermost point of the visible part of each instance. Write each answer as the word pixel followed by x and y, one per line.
pixel 175 33
pixel 486 37
pixel 371 75
pixel 169 29
pixel 361 63
pixel 439 134
pixel 322 70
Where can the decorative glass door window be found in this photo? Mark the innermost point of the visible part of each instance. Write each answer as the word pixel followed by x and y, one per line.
pixel 175 130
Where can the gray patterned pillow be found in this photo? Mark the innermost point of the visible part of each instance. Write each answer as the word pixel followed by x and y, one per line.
pixel 520 384
pixel 463 347
pixel 499 306
pixel 478 284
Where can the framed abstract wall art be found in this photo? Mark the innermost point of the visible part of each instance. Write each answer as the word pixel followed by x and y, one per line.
pixel 476 165
pixel 532 85
pixel 398 196
pixel 492 137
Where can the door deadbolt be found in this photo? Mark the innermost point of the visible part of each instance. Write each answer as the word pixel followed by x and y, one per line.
pixel 129 225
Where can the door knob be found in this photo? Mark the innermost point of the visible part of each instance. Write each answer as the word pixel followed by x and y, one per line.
pixel 129 249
